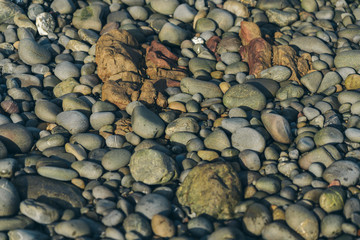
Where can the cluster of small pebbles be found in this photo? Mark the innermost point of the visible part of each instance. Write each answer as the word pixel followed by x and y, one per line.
pixel 243 149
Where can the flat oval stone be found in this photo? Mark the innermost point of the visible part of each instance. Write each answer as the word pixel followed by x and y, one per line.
pixel 278 127
pixel 9 198
pixel 172 34
pixel 165 7
pixel 100 119
pixel 182 124
pixel 244 95
pixel 39 212
pixel 353 134
pixel 277 230
pixel 276 73
pixel 46 110
pixel 115 159
pixel 222 17
pixel 248 138
pixel 57 173
pixel 152 204
pixel 87 169
pixel 305 223
pixel 53 140
pixel 16 138
pixel 328 135
pixel 146 124
pixel 311 45
pixel 256 217
pixel 49 191
pixel 152 167
pixel 73 121
pixel 136 222
pixel 348 59
pixel 17 222
pixel 345 171
pixel 73 228
pixel 89 141
pixel 207 89
pixel 30 52
pixel 27 234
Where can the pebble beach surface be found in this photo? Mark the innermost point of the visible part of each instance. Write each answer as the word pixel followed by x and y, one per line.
pixel 179 119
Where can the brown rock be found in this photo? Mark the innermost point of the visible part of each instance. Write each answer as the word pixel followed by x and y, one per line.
pixel 161 63
pixel 118 93
pixel 148 93
pixel 162 226
pixel 286 56
pixel 160 73
pixel 257 54
pixel 229 44
pixel 248 32
pixel 118 57
pixel 212 44
pixel 123 126
pixel 159 56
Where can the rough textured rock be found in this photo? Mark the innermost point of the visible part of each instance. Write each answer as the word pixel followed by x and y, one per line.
pixel 213 189
pixel 118 57
pixel 248 32
pixel 286 56
pixel 161 63
pixel 257 54
pixel 118 93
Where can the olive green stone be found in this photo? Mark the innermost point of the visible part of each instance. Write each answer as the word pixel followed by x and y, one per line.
pixel 213 189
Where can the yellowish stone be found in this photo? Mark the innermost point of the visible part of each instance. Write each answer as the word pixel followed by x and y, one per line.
pixel 224 86
pixel 352 82
pixel 208 155
pixel 177 106
pixel 217 74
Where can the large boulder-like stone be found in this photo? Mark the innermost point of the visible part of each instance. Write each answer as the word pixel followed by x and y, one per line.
pixel 213 189
pixel 118 57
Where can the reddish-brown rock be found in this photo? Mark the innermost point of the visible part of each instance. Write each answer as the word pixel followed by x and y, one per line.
pixel 248 32
pixel 212 44
pixel 257 54
pixel 118 57
pixel 161 63
pixel 118 93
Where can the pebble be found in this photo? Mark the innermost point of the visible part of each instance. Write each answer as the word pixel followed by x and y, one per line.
pixel 152 167
pixel 9 198
pixel 146 124
pixel 87 169
pixel 16 137
pixel 244 95
pixel 162 226
pixel 278 127
pixel 207 89
pixel 153 204
pixel 200 226
pixel 332 199
pixel 39 212
pixel 248 138
pixel 305 223
pixel 331 225
pixel 73 121
pixel 172 34
pixel 256 217
pixel 73 228
pixel 311 45
pixel 137 223
pixel 346 172
pixel 26 234
pixel 30 52
pixel 65 70
pixel 328 135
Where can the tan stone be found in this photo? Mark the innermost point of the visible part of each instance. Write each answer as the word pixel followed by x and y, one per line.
pixel 352 82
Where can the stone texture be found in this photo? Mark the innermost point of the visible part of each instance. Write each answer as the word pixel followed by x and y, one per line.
pixel 212 189
pixel 152 167
pixel 118 57
pixel 16 138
